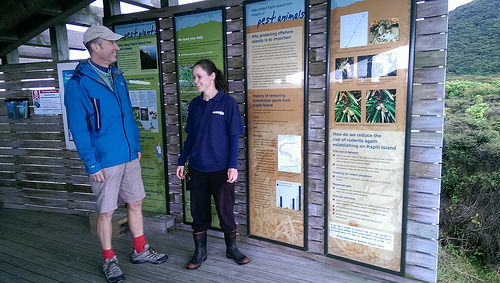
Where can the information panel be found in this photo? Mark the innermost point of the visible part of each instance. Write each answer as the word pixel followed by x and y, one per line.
pixel 197 36
pixel 138 59
pixel 64 73
pixel 275 87
pixel 369 55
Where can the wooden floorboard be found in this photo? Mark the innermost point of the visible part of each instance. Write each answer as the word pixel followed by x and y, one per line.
pixel 22 272
pixel 7 277
pixel 52 247
pixel 82 271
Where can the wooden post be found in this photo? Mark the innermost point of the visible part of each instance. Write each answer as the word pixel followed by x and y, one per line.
pixel 59 42
pixel 164 3
pixel 12 57
pixel 167 3
pixel 111 7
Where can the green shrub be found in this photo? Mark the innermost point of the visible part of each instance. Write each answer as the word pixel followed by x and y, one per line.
pixel 470 215
pixel 470 195
pixel 472 88
pixel 457 88
pixel 478 110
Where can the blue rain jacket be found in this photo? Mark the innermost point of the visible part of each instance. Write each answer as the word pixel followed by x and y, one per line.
pixel 101 121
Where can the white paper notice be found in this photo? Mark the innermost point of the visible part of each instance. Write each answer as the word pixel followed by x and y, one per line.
pixel 362 236
pixel 46 101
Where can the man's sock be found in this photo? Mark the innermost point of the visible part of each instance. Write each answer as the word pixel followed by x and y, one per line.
pixel 108 254
pixel 139 243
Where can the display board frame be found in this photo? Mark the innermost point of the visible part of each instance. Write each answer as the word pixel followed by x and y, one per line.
pixel 161 110
pixel 185 203
pixel 64 73
pixel 304 156
pixel 407 133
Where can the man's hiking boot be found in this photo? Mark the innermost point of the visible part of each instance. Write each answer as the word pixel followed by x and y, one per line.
pixel 148 255
pixel 112 271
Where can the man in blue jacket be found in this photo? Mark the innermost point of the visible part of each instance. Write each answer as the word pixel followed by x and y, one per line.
pixel 106 135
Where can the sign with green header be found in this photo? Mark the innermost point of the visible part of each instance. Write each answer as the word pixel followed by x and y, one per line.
pixel 197 36
pixel 138 59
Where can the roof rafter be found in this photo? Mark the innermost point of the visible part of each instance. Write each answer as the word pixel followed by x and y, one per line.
pixel 30 23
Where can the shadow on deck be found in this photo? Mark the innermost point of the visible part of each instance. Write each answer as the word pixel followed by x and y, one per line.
pixel 51 247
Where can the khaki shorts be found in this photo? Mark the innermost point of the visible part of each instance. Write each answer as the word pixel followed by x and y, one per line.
pixel 124 181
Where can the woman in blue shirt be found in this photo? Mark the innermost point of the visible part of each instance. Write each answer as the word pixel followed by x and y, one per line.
pixel 213 125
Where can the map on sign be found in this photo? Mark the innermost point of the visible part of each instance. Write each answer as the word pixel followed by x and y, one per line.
pixel 289 154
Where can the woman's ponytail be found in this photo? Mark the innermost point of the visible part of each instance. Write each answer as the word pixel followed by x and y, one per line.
pixel 220 81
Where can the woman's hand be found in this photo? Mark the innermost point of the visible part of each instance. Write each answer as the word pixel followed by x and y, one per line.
pixel 180 172
pixel 232 175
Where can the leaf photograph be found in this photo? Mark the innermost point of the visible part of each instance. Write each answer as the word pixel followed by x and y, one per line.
pixel 348 106
pixel 186 76
pixel 381 106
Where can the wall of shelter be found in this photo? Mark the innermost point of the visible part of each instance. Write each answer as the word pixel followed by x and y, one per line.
pixel 37 172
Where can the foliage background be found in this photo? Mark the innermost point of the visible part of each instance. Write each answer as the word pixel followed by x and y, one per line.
pixel 474 39
pixel 470 195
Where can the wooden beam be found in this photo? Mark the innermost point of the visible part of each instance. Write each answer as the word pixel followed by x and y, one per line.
pixel 59 40
pixel 148 4
pixel 32 60
pixel 432 9
pixel 43 39
pixel 111 7
pixel 75 39
pixel 431 25
pixel 166 3
pixel 8 37
pixel 87 16
pixel 27 67
pixel 35 52
pixel 167 11
pixel 19 11
pixel 54 9
pixel 30 33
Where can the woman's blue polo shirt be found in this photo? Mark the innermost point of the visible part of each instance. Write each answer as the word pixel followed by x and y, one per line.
pixel 210 126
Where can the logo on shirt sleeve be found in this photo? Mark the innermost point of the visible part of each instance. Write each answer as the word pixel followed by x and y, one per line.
pixel 218 112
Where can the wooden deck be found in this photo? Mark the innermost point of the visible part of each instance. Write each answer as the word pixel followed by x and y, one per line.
pixel 50 247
